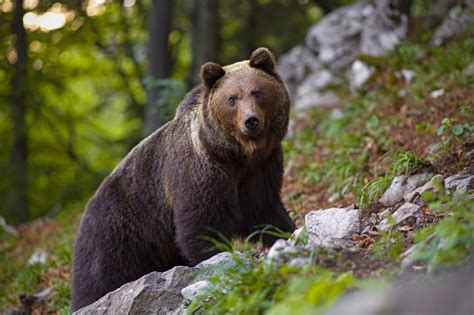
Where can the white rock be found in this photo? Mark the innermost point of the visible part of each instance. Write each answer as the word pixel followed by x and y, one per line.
pixel 281 247
pixel 223 258
pixel 460 183
pixel 429 186
pixel 406 211
pixel 384 29
pixel 407 75
pixel 470 69
pixel 455 22
pixel 38 257
pixel 329 226
pixel 401 185
pixel 358 74
pixel 299 261
pixel 311 91
pixel 437 93
pixel 195 289
pixel 314 99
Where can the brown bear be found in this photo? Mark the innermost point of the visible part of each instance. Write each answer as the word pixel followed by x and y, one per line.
pixel 216 168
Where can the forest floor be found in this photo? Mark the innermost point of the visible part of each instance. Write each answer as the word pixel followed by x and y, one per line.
pixel 334 157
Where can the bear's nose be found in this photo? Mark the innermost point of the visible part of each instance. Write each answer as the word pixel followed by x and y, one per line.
pixel 252 122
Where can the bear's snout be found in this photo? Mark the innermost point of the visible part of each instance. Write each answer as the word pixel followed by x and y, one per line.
pixel 252 122
pixel 251 125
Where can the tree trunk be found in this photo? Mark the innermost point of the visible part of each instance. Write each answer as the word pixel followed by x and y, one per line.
pixel 204 35
pixel 251 28
pixel 403 6
pixel 159 60
pixel 326 5
pixel 19 181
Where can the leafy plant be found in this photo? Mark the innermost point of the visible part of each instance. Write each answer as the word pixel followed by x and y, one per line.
pixel 261 287
pixel 449 130
pixel 451 241
pixel 405 163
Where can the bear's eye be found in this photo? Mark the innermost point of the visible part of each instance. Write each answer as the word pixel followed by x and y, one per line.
pixel 257 94
pixel 232 100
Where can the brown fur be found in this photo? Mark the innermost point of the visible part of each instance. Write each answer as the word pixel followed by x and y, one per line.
pixel 200 174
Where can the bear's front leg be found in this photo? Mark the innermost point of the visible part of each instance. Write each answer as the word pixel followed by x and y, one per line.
pixel 204 210
pixel 260 201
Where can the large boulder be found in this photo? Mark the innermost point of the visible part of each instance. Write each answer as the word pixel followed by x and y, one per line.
pixel 157 292
pixel 331 46
pixel 332 227
pixel 447 294
pixel 455 23
pixel 154 293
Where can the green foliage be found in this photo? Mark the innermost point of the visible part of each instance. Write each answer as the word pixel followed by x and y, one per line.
pixel 373 190
pixel 449 130
pixel 171 93
pixel 262 287
pixel 405 163
pixel 17 276
pixel 388 246
pixel 451 241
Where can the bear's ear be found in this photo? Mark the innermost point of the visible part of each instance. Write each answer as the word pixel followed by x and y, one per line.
pixel 210 73
pixel 262 58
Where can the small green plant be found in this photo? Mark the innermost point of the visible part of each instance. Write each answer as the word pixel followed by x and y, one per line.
pixel 389 245
pixel 449 131
pixel 405 163
pixel 262 287
pixel 451 241
pixel 372 191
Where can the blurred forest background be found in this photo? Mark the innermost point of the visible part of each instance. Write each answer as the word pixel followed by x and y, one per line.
pixel 82 82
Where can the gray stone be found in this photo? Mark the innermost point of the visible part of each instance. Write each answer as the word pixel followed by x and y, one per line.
pixel 406 74
pixel 154 293
pixel 470 69
pixel 401 185
pixel 384 29
pixel 191 291
pixel 314 99
pixel 224 258
pixel 453 24
pixel 158 292
pixel 406 211
pixel 437 93
pixel 281 248
pixel 460 183
pixel 295 65
pixel 447 294
pixel 311 91
pixel 38 257
pixel 299 261
pixel 335 38
pixel 330 227
pixel 331 46
pixel 431 185
pixel 365 302
pixel 358 74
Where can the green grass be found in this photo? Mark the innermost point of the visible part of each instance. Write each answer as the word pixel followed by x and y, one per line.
pixel 274 289
pixel 405 163
pixel 18 277
pixel 451 241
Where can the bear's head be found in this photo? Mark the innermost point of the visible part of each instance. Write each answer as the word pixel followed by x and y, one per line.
pixel 245 105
